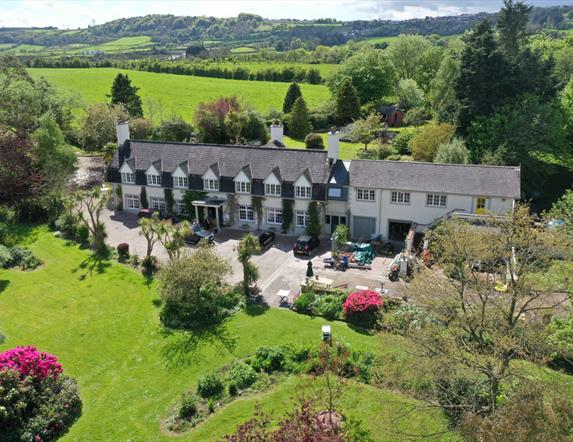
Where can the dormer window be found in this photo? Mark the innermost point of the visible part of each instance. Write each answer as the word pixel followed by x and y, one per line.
pixel 210 184
pixel 242 186
pixel 303 192
pixel 128 177
pixel 153 179
pixel 181 182
pixel 273 189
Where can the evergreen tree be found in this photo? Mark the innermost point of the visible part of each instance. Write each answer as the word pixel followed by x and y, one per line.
pixel 299 125
pixel 511 24
pixel 292 94
pixel 123 92
pixel 484 75
pixel 347 106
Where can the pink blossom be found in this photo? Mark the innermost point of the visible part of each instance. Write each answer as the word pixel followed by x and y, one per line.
pixel 28 361
pixel 362 301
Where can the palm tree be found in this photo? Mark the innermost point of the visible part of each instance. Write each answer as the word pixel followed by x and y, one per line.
pixel 247 247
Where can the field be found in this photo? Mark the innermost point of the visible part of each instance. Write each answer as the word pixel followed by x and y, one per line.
pixel 101 320
pixel 121 45
pixel 169 93
pixel 347 150
pixel 243 50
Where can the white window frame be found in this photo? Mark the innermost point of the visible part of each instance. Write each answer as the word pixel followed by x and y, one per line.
pixel 242 186
pixel 368 195
pixel 274 215
pixel 157 203
pixel 303 192
pixel 302 218
pixel 246 214
pixel 210 184
pixel 273 189
pixel 132 201
pixel 398 197
pixel 180 182
pixel 436 200
pixel 179 207
pixel 128 177
pixel 153 179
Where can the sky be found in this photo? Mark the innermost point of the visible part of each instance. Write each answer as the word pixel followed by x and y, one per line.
pixel 71 14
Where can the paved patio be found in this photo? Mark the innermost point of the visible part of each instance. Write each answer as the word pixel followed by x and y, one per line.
pixel 279 268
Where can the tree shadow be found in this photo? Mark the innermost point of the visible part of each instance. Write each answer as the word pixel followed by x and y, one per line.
pixel 184 348
pixel 361 329
pixel 256 308
pixel 96 262
pixel 4 283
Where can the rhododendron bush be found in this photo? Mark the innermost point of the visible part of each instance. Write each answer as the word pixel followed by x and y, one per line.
pixel 362 301
pixel 37 401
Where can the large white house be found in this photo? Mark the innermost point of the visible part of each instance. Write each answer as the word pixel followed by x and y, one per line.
pixel 372 197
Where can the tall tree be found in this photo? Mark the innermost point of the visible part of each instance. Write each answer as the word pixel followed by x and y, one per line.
pixel 424 144
pixel 299 124
pixel 292 94
pixel 235 123
pixel 98 125
pixel 90 206
pixel 247 247
pixel 406 52
pixel 366 129
pixel 409 94
pixel 442 97
pixel 347 102
pixel 512 23
pixel 484 75
pixel 123 92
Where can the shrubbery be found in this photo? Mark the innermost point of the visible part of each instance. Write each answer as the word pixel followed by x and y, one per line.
pixel 303 303
pixel 362 306
pixel 241 375
pixel 188 407
pixel 210 385
pixel 314 141
pixel 18 257
pixel 38 402
pixel 328 306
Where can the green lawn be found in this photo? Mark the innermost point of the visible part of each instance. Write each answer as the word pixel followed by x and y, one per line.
pixel 175 93
pixel 348 151
pixel 101 322
pixel 243 50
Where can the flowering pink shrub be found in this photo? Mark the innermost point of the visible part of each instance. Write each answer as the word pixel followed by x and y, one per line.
pixel 28 361
pixel 362 301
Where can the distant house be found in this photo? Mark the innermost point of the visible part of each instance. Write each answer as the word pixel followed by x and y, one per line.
pixel 392 115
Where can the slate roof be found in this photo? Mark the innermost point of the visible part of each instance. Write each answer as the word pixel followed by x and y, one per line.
pixel 230 159
pixel 388 110
pixel 476 180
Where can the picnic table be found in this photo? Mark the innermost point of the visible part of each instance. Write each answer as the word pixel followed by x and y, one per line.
pixel 324 284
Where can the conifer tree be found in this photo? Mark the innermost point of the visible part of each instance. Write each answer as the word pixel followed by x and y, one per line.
pixel 299 125
pixel 292 94
pixel 347 107
pixel 123 92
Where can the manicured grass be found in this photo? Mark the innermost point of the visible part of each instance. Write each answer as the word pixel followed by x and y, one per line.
pixel 243 50
pixel 175 93
pixel 348 151
pixel 100 320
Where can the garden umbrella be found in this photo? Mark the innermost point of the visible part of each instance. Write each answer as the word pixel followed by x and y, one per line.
pixel 309 272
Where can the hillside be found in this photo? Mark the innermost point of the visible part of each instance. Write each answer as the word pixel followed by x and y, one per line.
pixel 244 32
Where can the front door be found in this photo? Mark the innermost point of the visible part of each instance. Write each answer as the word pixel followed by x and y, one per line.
pixel 481 205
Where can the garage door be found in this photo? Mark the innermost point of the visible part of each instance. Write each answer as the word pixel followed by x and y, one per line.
pixel 363 227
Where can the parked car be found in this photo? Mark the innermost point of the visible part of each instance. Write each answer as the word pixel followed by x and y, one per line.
pixel 305 245
pixel 266 239
pixel 163 215
pixel 197 234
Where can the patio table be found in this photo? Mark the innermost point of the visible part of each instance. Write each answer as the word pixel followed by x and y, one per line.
pixel 283 296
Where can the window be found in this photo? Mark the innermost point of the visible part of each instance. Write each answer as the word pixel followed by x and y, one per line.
pixel 181 182
pixel 246 213
pixel 436 200
pixel 327 219
pixel 301 218
pixel 157 203
pixel 273 189
pixel 343 220
pixel 365 195
pixel 128 177
pixel 153 180
pixel 400 198
pixel 303 192
pixel 334 192
pixel 242 187
pixel 132 201
pixel 179 207
pixel 210 184
pixel 274 216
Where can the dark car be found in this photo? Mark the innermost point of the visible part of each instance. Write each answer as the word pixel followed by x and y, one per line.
pixel 148 213
pixel 197 234
pixel 266 239
pixel 305 245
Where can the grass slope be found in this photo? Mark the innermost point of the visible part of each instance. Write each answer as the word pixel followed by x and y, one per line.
pixel 101 322
pixel 175 93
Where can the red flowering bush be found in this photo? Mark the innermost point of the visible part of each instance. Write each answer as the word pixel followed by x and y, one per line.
pixel 362 301
pixel 28 361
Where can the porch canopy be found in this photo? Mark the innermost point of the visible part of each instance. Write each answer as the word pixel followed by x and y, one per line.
pixel 215 203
